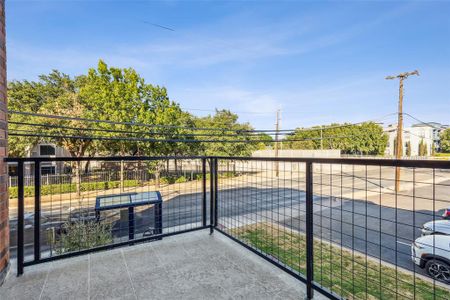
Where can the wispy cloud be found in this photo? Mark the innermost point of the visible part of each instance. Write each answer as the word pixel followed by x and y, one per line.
pixel 223 42
pixel 202 65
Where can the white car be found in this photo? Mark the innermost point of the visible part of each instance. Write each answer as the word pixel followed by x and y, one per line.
pixel 436 227
pixel 432 252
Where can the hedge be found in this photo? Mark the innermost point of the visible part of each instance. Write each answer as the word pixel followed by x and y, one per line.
pixel 52 189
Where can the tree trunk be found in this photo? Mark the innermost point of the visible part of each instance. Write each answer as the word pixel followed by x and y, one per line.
pixel 86 167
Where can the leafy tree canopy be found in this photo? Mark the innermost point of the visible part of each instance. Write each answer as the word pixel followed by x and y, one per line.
pixel 445 140
pixel 366 138
pixel 224 121
pixel 117 95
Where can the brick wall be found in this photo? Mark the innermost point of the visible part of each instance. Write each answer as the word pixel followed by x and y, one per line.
pixel 4 227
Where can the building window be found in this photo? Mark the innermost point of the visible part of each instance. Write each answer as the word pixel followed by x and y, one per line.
pixel 46 150
pixel 46 170
pixel 12 170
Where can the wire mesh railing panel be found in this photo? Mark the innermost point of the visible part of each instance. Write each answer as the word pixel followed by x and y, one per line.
pixel 108 202
pixel 350 228
pixel 374 236
pixel 366 230
pixel 262 204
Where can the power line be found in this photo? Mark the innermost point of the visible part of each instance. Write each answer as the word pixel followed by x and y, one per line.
pixel 121 123
pixel 70 118
pixel 120 131
pixel 422 122
pixel 81 137
pixel 238 131
pixel 322 127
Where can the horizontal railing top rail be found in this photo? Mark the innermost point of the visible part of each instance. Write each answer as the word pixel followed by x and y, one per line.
pixel 410 163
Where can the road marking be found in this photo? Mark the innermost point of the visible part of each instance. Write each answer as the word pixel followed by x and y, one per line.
pixel 403 243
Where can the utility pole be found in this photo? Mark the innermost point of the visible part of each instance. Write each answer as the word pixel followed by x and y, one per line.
pixel 399 145
pixel 277 129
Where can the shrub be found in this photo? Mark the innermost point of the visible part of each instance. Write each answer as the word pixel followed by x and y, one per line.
pixel 200 176
pixel 227 174
pixel 79 235
pixel 167 180
pixel 181 179
pixel 130 183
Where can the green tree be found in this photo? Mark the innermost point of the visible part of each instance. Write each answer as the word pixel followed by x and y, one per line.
pixel 119 96
pixel 266 141
pixel 408 148
pixel 366 138
pixel 31 96
pixel 445 140
pixel 423 148
pixel 105 93
pixel 223 121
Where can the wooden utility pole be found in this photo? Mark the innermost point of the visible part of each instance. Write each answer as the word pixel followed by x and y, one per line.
pixel 399 144
pixel 277 129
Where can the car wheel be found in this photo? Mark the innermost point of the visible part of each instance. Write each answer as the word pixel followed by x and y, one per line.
pixel 438 270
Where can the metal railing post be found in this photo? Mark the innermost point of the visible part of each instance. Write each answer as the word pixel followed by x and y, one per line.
pixel 309 231
pixel 37 210
pixel 131 223
pixel 216 189
pixel 204 191
pixel 211 195
pixel 20 217
pixel 158 218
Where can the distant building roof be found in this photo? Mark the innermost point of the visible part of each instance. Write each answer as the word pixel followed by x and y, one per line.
pixel 429 124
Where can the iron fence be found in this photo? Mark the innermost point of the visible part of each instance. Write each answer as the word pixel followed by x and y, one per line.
pixel 91 212
pixel 338 225
pixel 188 169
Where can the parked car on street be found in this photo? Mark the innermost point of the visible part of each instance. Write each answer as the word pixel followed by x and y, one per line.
pixel 436 227
pixel 88 215
pixel 432 253
pixel 46 222
pixel 83 215
pixel 446 214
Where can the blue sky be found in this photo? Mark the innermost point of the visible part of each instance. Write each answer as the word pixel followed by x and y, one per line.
pixel 319 62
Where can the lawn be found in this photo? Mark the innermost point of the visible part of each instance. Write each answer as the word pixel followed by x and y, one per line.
pixel 348 274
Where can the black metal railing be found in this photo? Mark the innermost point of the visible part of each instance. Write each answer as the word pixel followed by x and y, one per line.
pixel 63 219
pixel 338 225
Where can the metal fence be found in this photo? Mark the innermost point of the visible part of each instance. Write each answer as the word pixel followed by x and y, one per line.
pixel 59 220
pixel 338 225
pixel 186 169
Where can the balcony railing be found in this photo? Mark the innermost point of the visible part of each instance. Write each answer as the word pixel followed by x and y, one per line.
pixel 338 225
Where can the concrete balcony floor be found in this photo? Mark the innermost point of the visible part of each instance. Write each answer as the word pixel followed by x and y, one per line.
pixel 193 265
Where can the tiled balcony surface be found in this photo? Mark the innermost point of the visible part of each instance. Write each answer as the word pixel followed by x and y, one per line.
pixel 188 266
